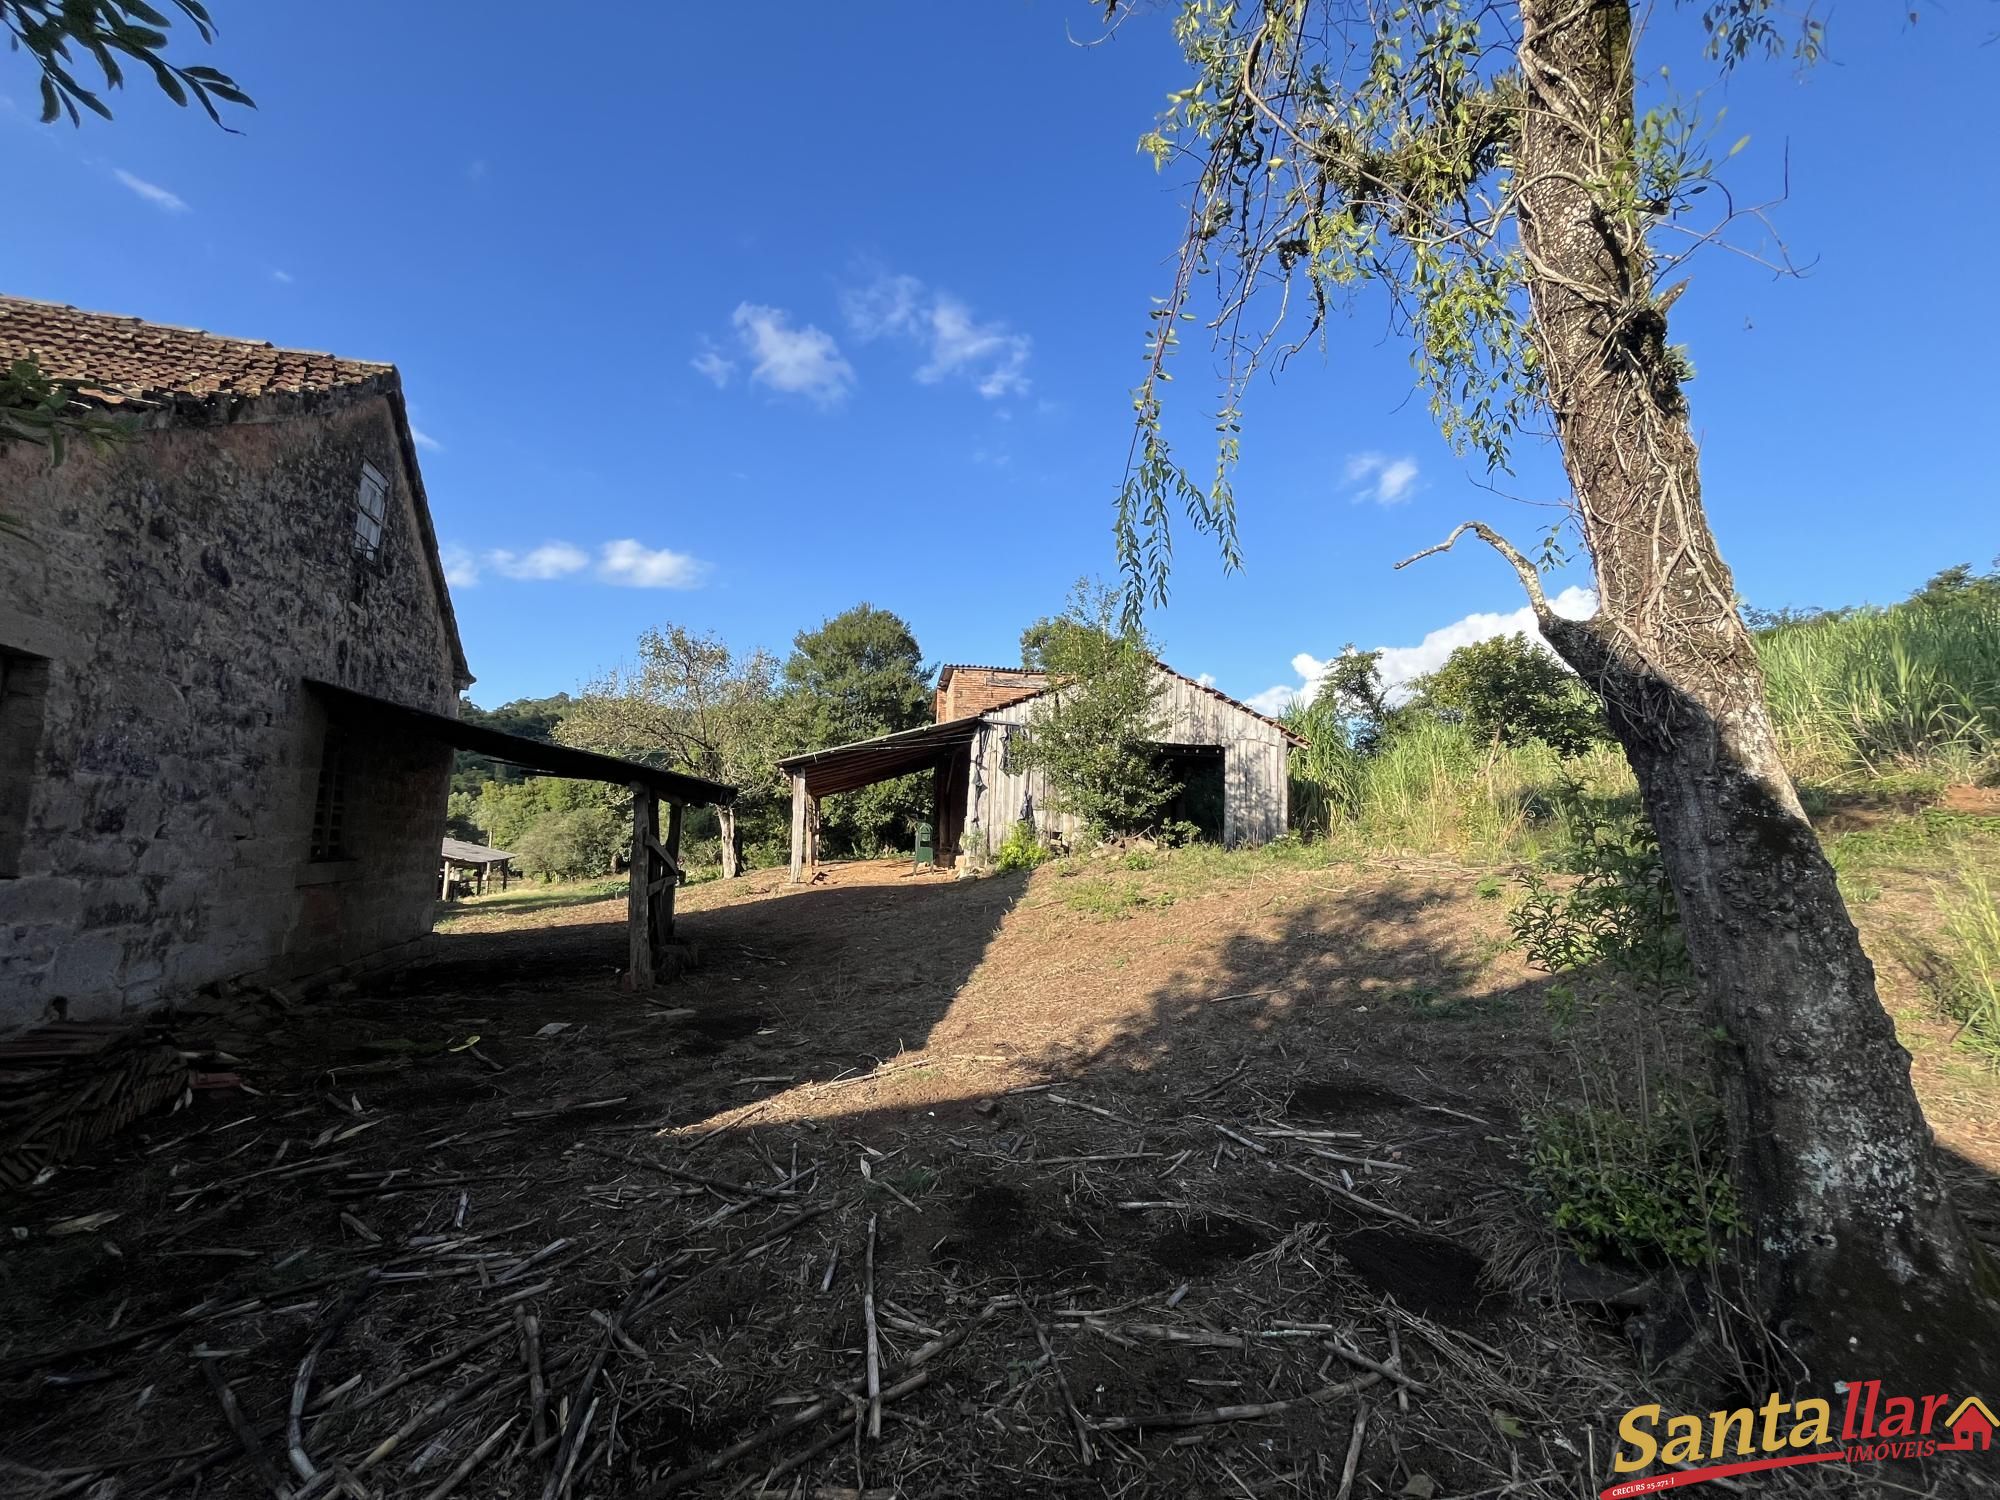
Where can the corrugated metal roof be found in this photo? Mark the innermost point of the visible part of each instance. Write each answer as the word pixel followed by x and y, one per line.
pixel 460 852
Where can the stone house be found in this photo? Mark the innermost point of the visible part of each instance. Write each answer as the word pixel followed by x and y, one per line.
pixel 176 804
pixel 229 674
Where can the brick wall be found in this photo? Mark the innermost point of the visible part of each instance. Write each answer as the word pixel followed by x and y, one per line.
pixel 974 690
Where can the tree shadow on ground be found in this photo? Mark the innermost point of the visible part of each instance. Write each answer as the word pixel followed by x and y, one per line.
pixel 1235 1132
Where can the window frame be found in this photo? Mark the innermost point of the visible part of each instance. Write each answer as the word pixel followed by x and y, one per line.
pixel 371 480
pixel 24 690
pixel 328 841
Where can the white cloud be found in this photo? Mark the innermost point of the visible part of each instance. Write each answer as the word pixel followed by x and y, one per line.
pixel 1378 477
pixel 152 192
pixel 283 278
pixel 461 568
pixel 425 441
pixel 713 365
pixel 1273 701
pixel 1401 665
pixel 955 343
pixel 798 361
pixel 550 560
pixel 626 562
pixel 1206 679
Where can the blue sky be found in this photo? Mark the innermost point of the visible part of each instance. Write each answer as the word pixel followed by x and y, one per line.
pixel 735 327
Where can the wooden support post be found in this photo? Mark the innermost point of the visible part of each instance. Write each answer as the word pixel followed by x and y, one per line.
pixel 798 828
pixel 639 889
pixel 663 926
pixel 812 837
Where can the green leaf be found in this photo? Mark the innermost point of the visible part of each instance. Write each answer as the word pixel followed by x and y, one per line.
pixel 1739 145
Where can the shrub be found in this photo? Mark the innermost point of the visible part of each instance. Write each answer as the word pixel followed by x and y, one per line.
pixel 1618 914
pixel 1649 1187
pixel 569 845
pixel 1022 849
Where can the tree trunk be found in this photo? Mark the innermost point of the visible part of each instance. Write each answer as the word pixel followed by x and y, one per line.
pixel 732 848
pixel 1861 1268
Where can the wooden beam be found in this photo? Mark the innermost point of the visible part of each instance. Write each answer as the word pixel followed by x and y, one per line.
pixel 798 828
pixel 639 893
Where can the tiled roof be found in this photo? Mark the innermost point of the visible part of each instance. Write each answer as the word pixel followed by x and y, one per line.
pixel 126 359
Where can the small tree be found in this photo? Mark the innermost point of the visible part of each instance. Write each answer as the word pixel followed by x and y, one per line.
pixel 693 705
pixel 860 674
pixel 1093 734
pixel 1509 691
pixel 570 845
pixel 1352 695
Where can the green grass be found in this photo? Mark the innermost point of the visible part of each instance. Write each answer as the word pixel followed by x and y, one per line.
pixel 1112 898
pixel 528 894
pixel 1930 841
pixel 534 895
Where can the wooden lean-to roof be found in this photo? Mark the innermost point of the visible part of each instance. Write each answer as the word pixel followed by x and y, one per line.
pixel 844 768
pixel 518 750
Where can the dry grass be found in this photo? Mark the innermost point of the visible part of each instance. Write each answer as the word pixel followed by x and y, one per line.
pixel 1158 1196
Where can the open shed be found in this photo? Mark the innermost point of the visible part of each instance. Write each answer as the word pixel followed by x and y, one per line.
pixel 655 868
pixel 480 860
pixel 1228 760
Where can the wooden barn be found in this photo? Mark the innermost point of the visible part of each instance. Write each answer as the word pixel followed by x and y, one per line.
pixel 1228 760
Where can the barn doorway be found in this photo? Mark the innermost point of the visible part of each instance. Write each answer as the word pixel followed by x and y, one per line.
pixel 1197 774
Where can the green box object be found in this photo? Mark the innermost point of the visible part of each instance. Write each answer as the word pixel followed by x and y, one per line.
pixel 926 855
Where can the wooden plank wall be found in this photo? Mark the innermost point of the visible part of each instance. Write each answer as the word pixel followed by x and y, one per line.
pixel 1254 780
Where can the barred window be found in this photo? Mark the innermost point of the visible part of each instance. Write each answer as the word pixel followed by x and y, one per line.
pixel 371 506
pixel 329 829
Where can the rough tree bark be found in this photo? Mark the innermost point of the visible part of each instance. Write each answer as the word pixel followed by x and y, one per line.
pixel 732 846
pixel 1862 1268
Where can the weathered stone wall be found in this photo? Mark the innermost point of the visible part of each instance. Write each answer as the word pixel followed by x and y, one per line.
pixel 178 586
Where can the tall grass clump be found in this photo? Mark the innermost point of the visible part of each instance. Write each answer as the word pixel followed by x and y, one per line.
pixel 1433 787
pixel 1326 774
pixel 1969 983
pixel 1914 687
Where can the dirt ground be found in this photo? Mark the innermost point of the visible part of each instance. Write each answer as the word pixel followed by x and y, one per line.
pixel 1134 1187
